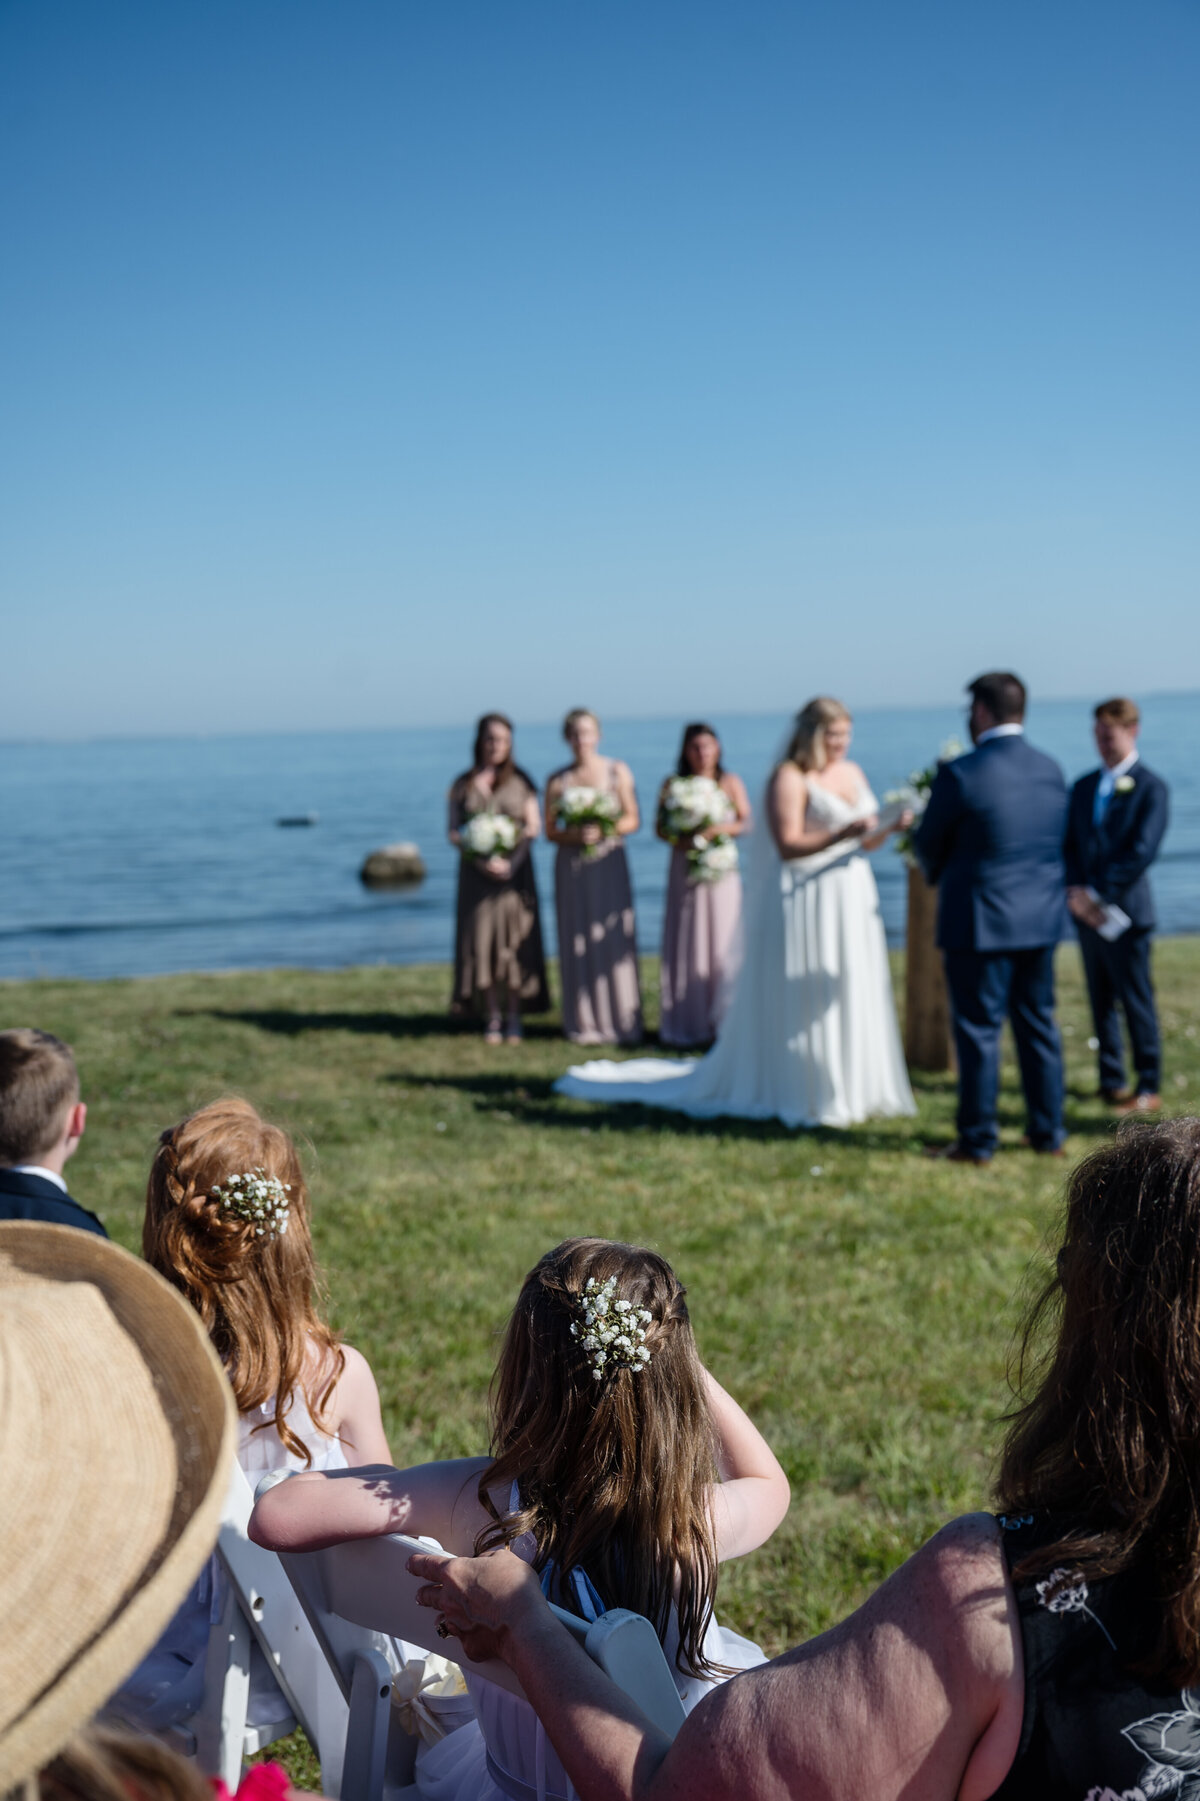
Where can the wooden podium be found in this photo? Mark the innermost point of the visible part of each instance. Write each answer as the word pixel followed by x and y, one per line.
pixel 928 1040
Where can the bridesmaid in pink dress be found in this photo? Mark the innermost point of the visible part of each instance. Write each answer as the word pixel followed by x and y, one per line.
pixel 597 947
pixel 701 928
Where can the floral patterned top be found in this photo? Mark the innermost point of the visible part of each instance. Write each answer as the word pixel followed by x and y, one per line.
pixel 1091 1730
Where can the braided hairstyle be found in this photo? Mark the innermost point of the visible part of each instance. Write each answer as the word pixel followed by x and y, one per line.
pixel 613 1474
pixel 255 1292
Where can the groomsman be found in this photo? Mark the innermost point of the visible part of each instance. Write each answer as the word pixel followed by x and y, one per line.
pixel 992 838
pixel 1116 823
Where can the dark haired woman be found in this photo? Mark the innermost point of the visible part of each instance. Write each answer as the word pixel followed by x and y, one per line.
pixel 494 819
pixel 700 951
pixel 620 1470
pixel 591 807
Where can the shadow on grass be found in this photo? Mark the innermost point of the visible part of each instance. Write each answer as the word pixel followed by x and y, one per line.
pixel 291 1024
pixel 532 1100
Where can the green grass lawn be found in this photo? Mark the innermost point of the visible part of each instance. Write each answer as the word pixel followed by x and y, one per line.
pixel 858 1300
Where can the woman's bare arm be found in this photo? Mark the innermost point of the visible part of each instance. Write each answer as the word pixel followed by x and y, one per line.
pixel 787 805
pixel 919 1693
pixel 735 788
pixel 327 1507
pixel 357 1411
pixel 630 819
pixel 752 1496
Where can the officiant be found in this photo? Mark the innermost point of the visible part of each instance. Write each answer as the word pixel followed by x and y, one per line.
pixel 1117 818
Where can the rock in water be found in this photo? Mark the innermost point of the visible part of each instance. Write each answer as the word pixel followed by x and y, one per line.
pixel 395 866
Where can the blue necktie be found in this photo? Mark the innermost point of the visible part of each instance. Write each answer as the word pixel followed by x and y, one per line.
pixel 1100 804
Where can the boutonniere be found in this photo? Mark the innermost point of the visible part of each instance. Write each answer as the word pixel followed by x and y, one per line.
pixel 1124 784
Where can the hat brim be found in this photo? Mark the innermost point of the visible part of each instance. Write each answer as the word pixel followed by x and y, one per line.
pixel 198 1412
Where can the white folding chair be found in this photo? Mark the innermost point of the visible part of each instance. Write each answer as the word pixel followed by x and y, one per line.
pixel 364 1584
pixel 260 1607
pixel 378 1754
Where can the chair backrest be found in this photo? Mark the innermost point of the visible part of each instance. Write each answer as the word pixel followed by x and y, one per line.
pixel 365 1584
pixel 267 1602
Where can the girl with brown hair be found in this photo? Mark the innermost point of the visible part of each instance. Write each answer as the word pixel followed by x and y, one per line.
pixel 498 958
pixel 620 1469
pixel 227 1224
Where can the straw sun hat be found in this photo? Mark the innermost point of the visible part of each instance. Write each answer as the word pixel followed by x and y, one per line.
pixel 116 1440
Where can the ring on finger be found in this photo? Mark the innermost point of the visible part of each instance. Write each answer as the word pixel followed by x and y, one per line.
pixel 443 1630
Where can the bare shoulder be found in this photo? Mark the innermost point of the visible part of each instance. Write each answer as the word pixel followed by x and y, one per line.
pixel 788 778
pixel 925 1679
pixel 557 778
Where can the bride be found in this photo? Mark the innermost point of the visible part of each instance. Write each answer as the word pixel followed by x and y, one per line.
pixel 811 1035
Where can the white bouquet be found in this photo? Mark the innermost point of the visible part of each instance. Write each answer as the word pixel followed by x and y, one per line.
pixel 914 794
pixel 489 834
pixel 691 804
pixel 580 806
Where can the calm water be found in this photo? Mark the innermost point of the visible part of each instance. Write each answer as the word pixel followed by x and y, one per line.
pixel 140 857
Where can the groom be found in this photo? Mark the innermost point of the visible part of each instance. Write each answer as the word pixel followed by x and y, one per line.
pixel 991 838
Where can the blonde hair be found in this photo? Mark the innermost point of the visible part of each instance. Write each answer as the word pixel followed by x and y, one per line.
pixel 613 1476
pixel 807 748
pixel 255 1294
pixel 1120 711
pixel 574 716
pixel 38 1084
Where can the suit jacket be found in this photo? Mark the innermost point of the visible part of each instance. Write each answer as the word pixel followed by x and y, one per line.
pixel 32 1197
pixel 991 838
pixel 1114 856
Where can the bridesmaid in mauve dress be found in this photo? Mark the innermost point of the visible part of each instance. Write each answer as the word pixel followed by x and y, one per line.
pixel 702 924
pixel 498 938
pixel 597 948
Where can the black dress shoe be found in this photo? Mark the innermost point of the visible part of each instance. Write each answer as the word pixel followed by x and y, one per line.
pixel 955 1153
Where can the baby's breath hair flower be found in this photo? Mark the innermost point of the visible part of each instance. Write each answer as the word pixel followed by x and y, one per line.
pixel 611 1333
pixel 258 1198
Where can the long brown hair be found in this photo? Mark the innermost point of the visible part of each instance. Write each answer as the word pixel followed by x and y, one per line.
pixel 1110 1441
pixel 255 1293
pixel 613 1475
pixel 111 1763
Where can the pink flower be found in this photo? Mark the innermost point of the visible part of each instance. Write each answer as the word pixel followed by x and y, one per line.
pixel 264 1782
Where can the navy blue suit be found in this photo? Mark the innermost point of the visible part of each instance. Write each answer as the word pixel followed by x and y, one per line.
pixel 1113 857
pixel 991 839
pixel 33 1197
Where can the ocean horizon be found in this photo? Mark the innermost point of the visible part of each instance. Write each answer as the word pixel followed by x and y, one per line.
pixel 142 856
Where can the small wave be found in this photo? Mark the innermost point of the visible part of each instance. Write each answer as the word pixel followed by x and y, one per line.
pixel 112 927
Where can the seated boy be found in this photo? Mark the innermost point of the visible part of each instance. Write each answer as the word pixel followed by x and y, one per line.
pixel 41 1122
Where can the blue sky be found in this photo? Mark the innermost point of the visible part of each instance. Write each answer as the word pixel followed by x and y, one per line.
pixel 372 363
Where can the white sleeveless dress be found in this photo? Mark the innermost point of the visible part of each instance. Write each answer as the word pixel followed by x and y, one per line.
pixel 811 1036
pixel 504 1753
pixel 168 1684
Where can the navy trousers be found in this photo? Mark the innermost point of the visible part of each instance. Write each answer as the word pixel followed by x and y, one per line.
pixel 1120 973
pixel 986 987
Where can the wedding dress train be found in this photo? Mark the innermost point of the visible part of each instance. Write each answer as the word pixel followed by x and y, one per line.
pixel 811 1035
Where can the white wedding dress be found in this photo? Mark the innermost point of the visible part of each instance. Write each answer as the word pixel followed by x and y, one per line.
pixel 811 1035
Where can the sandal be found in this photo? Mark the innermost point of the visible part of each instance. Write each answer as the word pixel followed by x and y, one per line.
pixel 493 1034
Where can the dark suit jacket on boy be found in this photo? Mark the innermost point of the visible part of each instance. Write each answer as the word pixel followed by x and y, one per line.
pixel 23 1196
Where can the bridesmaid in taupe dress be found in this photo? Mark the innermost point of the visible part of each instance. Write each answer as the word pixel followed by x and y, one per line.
pixel 597 947
pixel 498 941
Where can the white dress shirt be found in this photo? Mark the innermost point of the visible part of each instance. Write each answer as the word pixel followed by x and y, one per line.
pixel 1110 777
pixel 1012 730
pixel 35 1169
